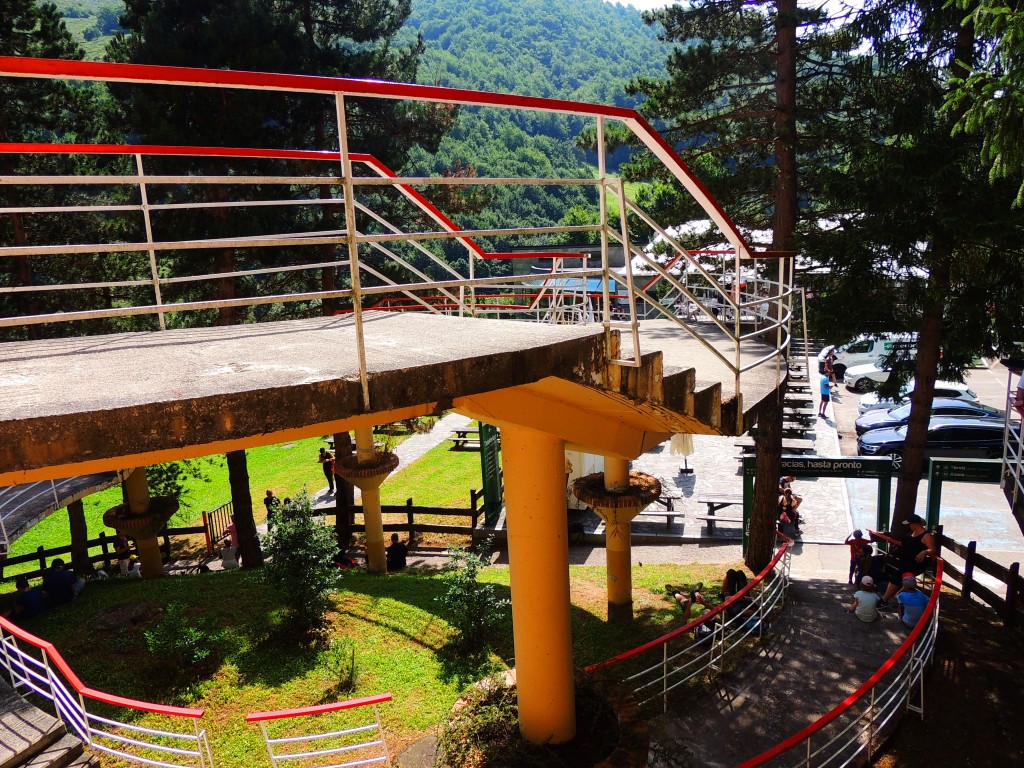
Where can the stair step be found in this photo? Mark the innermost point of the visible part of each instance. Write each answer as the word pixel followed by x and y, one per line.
pixel 60 754
pixel 24 730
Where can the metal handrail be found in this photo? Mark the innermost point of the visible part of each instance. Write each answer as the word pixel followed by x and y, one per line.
pixel 855 727
pixel 725 632
pixel 52 679
pixel 339 741
pixel 379 178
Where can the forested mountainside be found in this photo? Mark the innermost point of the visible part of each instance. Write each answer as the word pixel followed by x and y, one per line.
pixel 570 49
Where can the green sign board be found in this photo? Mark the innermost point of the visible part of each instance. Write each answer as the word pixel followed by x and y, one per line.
pixel 490 465
pixel 818 466
pixel 965 470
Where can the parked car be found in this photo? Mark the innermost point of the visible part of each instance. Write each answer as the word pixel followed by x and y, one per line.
pixel 864 350
pixel 861 378
pixel 943 406
pixel 948 389
pixel 958 437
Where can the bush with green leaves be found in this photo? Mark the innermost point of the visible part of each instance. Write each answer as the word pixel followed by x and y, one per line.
pixel 300 555
pixel 339 660
pixel 472 608
pixel 184 643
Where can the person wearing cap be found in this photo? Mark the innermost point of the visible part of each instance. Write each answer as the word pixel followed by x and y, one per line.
pixel 856 542
pixel 916 548
pixel 865 601
pixel 912 601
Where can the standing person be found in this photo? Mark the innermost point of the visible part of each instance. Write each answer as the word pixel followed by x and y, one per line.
pixel 915 550
pixel 273 505
pixel 865 601
pixel 826 395
pixel 327 462
pixel 856 542
pixel 123 551
pixel 912 601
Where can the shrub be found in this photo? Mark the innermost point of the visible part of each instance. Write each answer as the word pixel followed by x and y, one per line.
pixel 473 609
pixel 181 643
pixel 339 659
pixel 300 563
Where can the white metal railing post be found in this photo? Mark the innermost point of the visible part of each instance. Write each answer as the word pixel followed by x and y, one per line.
pixel 627 255
pixel 353 244
pixel 267 744
pixel 871 723
pixel 602 201
pixel 664 677
pixel 380 733
pixel 8 663
pixel 807 761
pixel 153 270
pixel 471 261
pixel 203 747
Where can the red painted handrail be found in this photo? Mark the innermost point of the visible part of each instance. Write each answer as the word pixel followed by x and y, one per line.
pixel 702 619
pixel 91 693
pixel 164 150
pixel 149 74
pixel 870 683
pixel 319 709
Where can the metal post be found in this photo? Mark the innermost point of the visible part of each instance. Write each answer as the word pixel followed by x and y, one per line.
pixel 266 742
pixel 353 245
pixel 154 273
pixel 602 201
pixel 628 263
pixel 664 677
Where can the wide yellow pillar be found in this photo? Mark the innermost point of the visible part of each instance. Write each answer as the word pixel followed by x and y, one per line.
pixel 618 554
pixel 538 554
pixel 136 487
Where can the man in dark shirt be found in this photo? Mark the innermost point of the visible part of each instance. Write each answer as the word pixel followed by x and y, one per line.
pixel 29 602
pixel 59 585
pixel 396 554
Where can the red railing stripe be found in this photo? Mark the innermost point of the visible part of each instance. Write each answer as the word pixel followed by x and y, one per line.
pixel 870 683
pixel 319 709
pixel 58 661
pixel 704 618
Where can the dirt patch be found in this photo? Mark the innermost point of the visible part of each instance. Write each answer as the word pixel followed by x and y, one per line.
pixel 973 702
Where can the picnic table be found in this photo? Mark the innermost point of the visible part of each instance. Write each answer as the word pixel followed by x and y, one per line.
pixel 789 444
pixel 466 437
pixel 715 502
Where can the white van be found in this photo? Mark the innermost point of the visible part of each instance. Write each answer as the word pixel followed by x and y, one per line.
pixel 866 350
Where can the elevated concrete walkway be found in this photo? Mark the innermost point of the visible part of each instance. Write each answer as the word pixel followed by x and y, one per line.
pixel 90 404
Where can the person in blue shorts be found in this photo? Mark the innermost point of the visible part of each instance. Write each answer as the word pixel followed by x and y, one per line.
pixel 826 396
pixel 912 601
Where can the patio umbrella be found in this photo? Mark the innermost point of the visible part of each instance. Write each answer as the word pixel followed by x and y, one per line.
pixel 682 445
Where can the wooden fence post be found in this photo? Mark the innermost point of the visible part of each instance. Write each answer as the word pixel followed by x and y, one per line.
pixel 41 554
pixel 103 549
pixel 206 526
pixel 1010 609
pixel 972 548
pixel 409 518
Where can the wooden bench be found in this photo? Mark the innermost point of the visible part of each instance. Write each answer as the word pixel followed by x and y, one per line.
pixel 712 519
pixel 669 513
pixel 789 444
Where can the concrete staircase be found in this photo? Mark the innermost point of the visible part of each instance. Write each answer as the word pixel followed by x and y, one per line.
pixel 30 738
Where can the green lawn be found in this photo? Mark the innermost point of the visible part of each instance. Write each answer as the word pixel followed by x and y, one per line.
pixel 443 477
pixel 401 645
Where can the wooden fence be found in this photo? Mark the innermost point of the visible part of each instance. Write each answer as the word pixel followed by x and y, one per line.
pixel 1009 605
pixel 411 527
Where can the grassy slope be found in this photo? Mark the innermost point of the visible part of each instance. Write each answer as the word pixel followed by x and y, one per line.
pixel 401 644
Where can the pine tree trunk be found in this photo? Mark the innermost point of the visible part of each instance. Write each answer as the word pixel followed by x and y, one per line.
pixel 768 449
pixel 241 500
pixel 785 195
pixel 929 345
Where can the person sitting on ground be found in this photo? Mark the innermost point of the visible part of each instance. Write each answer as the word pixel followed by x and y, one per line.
pixel 60 585
pixel 694 604
pixel 29 602
pixel 857 542
pixel 734 583
pixel 786 481
pixel 396 554
pixel 912 601
pixel 123 551
pixel 865 601
pixel 916 547
pixel 789 503
pixel 228 555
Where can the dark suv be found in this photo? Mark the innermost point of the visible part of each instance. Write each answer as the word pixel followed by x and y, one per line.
pixel 958 437
pixel 941 406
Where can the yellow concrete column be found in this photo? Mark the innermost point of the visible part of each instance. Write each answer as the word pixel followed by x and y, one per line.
pixel 538 552
pixel 618 554
pixel 376 559
pixel 136 488
pixel 616 473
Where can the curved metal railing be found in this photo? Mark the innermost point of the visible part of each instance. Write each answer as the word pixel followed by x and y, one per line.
pixel 852 730
pixel 675 659
pixel 410 265
pixel 176 740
